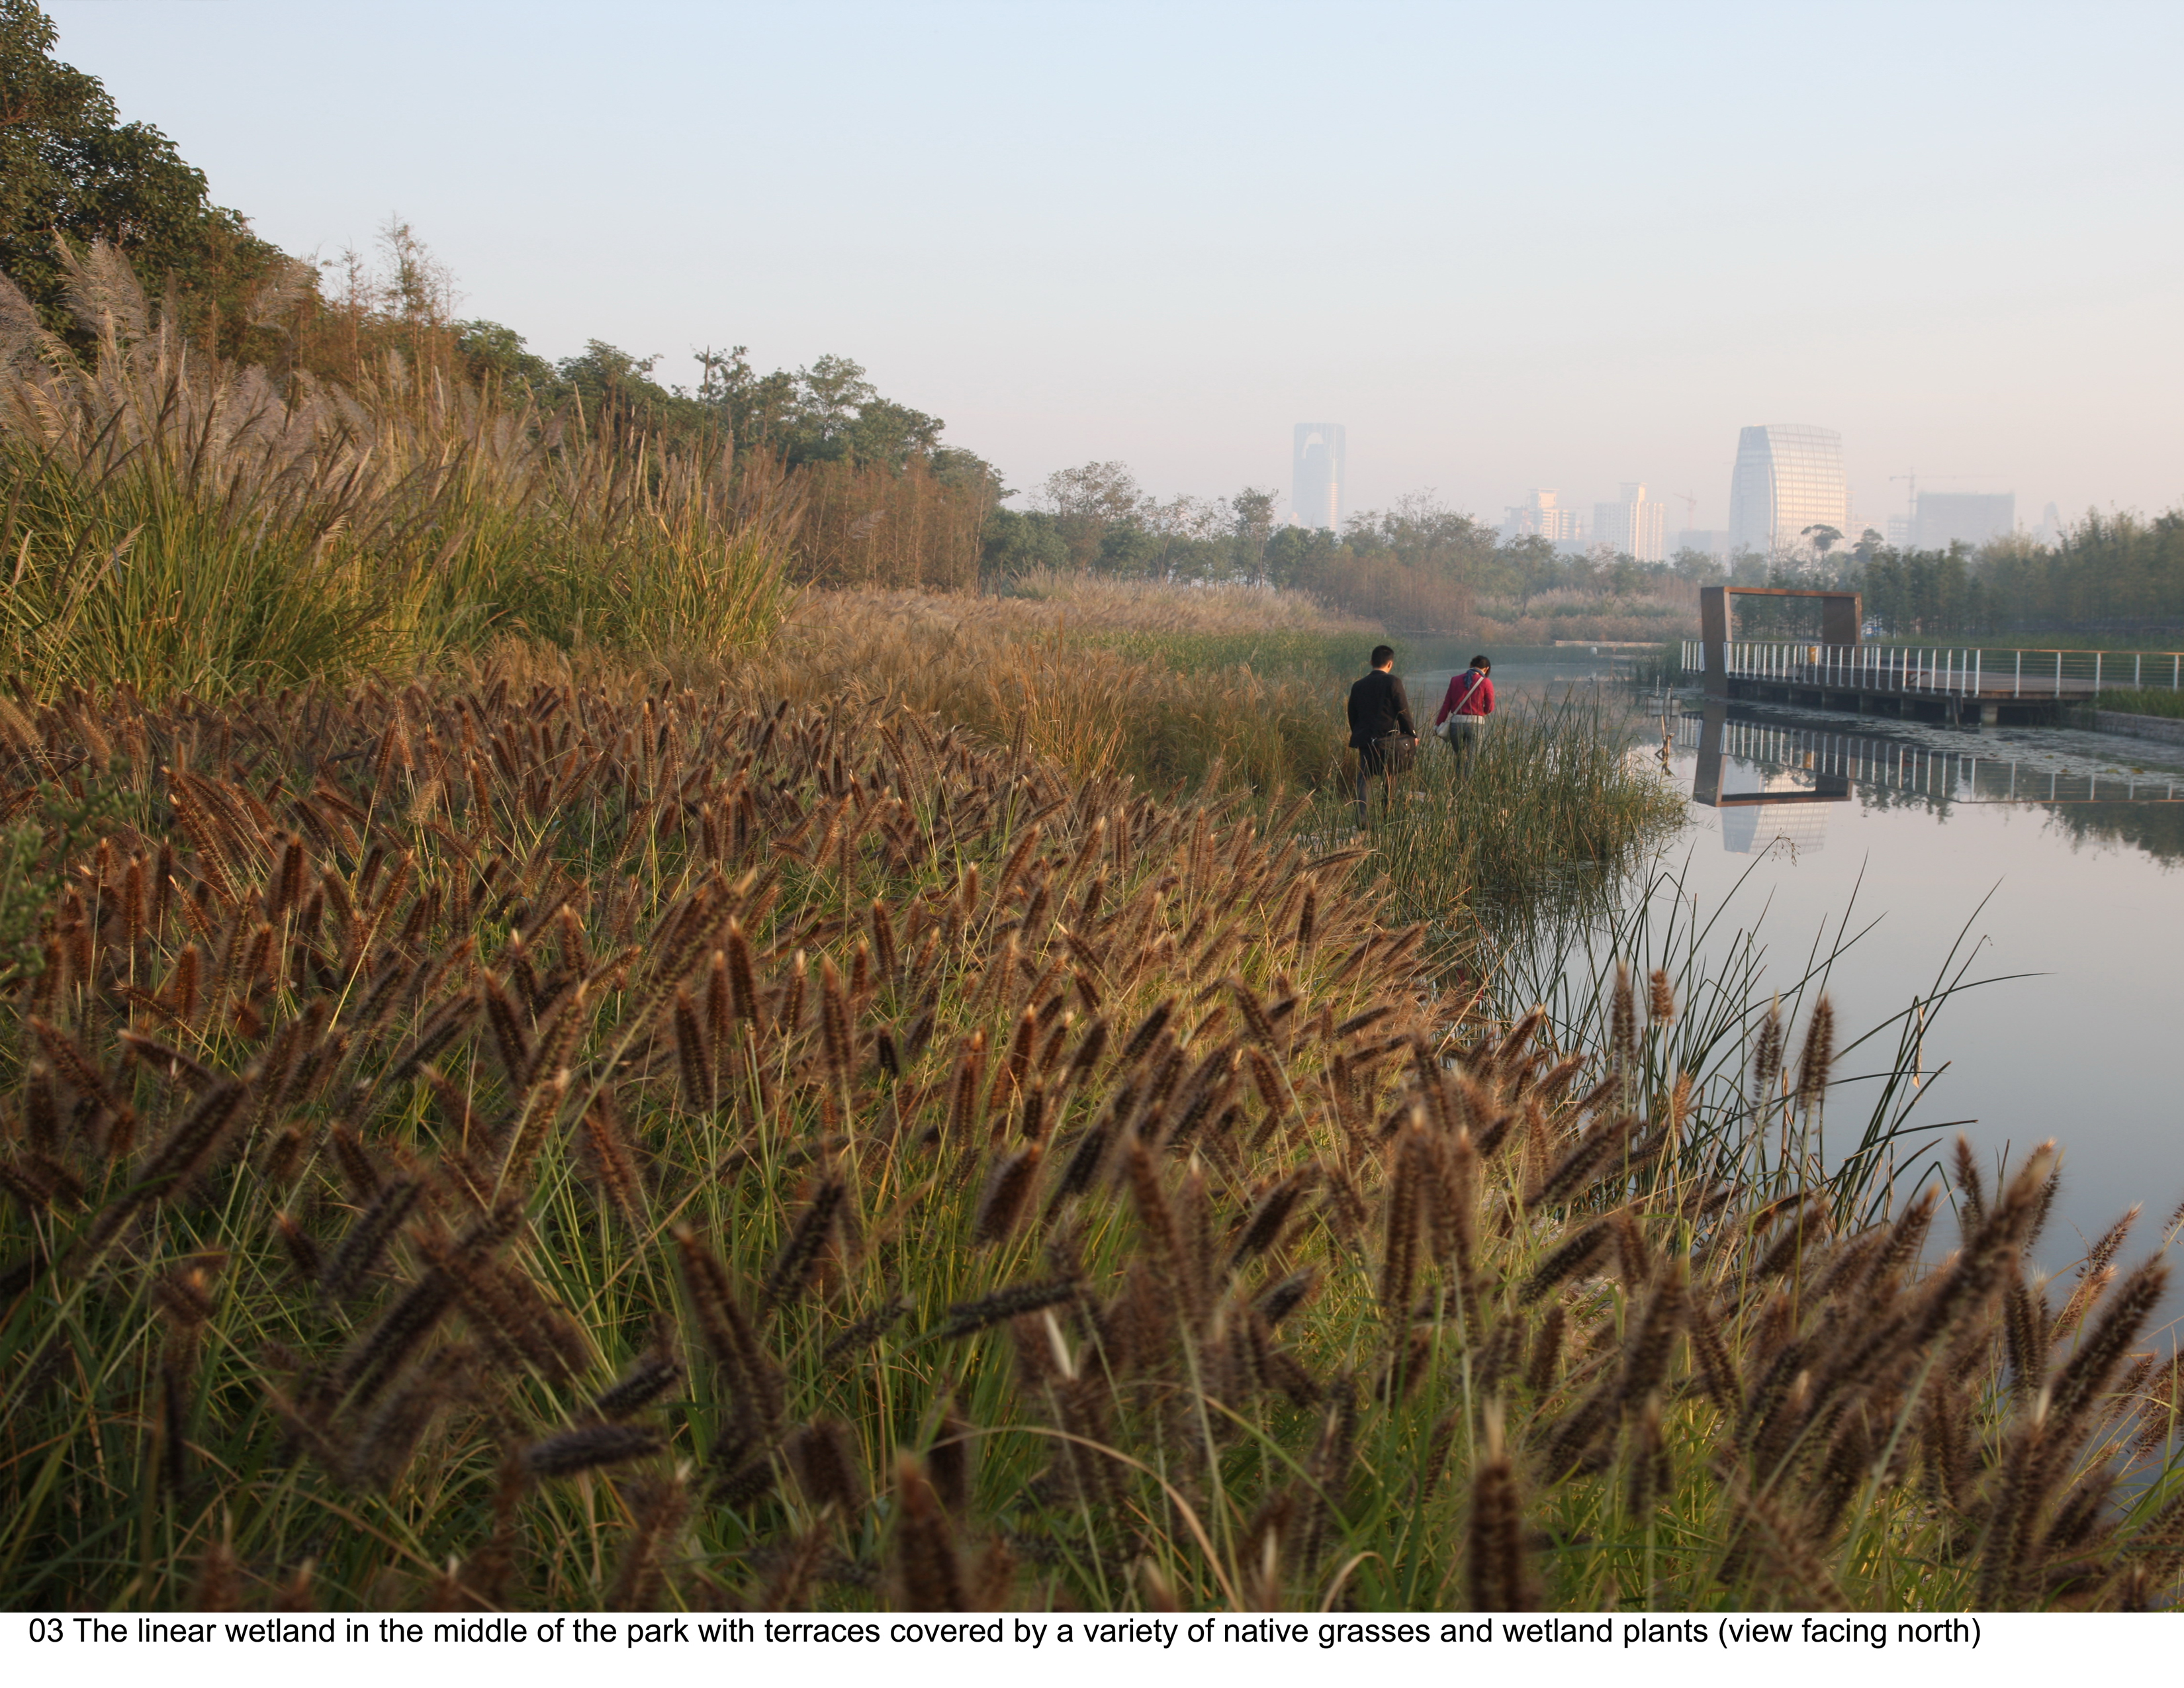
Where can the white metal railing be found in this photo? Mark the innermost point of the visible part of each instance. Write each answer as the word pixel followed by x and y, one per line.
pixel 1944 671
pixel 1953 775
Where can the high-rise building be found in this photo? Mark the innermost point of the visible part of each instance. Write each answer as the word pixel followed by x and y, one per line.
pixel 1545 517
pixel 1946 518
pixel 1316 468
pixel 1634 525
pixel 1788 477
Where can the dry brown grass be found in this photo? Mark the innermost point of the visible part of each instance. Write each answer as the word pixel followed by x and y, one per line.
pixel 530 1146
pixel 1044 674
pixel 1043 598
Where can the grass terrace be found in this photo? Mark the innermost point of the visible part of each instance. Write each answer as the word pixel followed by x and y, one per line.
pixel 522 1143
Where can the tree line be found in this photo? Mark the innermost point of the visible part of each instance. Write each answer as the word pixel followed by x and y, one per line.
pixel 1419 565
pixel 2116 574
pixel 886 500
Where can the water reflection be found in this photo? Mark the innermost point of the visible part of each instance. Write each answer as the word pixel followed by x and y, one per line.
pixel 1786 770
pixel 1785 810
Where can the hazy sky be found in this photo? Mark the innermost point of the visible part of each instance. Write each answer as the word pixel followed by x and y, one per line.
pixel 1508 245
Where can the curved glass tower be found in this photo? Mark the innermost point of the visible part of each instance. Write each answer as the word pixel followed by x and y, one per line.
pixel 1789 477
pixel 1316 470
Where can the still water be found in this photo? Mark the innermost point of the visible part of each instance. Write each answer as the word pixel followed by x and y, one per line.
pixel 2055 855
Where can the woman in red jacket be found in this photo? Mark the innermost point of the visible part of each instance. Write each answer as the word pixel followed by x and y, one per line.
pixel 1464 710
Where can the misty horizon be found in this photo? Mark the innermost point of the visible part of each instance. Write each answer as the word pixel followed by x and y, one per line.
pixel 1568 249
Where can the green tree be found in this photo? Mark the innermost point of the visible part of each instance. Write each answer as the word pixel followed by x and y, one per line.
pixel 1018 542
pixel 1086 502
pixel 1252 514
pixel 611 382
pixel 71 168
pixel 1701 568
pixel 496 349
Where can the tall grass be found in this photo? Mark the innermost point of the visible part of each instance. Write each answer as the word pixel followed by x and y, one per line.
pixel 1099 701
pixel 172 523
pixel 2153 700
pixel 1104 601
pixel 1548 803
pixel 526 1146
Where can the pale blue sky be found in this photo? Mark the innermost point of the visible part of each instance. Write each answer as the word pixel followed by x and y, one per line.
pixel 1507 245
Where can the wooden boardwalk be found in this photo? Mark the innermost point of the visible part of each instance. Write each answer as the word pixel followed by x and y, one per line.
pixel 1961 684
pixel 1965 684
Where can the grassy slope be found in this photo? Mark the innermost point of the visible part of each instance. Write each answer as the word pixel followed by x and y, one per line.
pixel 542 1146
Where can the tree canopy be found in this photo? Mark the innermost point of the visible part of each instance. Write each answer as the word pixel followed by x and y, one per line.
pixel 69 166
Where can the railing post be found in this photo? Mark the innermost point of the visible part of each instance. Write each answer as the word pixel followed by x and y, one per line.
pixel 2017 685
pixel 2097 674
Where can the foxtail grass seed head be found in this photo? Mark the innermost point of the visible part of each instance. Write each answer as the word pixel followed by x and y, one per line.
pixel 823 1455
pixel 799 1257
pixel 965 1318
pixel 692 1056
pixel 650 1377
pixel 1497 1560
pixel 1819 1055
pixel 743 989
pixel 1767 1055
pixel 834 1025
pixel 1008 1191
pixel 589 1447
pixel 928 1574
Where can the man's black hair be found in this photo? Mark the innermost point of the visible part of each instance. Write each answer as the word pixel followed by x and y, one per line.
pixel 1480 662
pixel 1383 653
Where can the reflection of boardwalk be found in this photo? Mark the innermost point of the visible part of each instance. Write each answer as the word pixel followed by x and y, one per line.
pixel 1796 817
pixel 1942 776
pixel 1784 811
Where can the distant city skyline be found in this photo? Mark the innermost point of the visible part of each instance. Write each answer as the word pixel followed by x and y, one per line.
pixel 1133 280
pixel 1786 479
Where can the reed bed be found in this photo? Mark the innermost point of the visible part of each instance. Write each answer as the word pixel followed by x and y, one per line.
pixel 527 1145
pixel 1107 603
pixel 1101 701
pixel 1547 808
pixel 171 522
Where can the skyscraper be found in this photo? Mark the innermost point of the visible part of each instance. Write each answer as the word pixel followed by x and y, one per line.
pixel 1788 477
pixel 1317 469
pixel 1634 525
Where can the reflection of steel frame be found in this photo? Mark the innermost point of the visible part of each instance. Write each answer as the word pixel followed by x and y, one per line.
pixel 1841 622
pixel 1706 773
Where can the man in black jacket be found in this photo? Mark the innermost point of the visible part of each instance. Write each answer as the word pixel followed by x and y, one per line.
pixel 1379 711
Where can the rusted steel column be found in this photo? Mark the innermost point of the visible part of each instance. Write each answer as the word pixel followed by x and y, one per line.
pixel 1713 638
